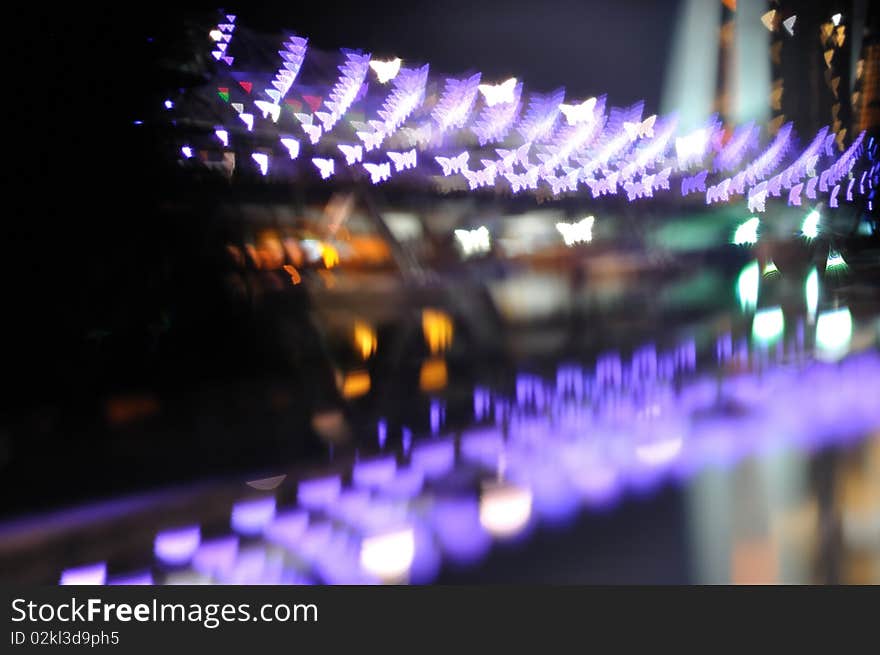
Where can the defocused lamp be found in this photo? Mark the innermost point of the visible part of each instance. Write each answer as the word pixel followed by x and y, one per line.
pixel 505 509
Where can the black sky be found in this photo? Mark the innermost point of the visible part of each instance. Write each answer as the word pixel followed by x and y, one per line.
pixel 97 69
pixel 588 46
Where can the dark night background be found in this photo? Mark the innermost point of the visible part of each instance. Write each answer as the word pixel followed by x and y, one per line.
pixel 88 244
pixel 96 269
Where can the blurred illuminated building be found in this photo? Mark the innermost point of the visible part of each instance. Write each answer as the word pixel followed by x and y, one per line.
pixel 749 67
pixel 811 63
pixel 313 318
pixel 691 81
pixel 866 95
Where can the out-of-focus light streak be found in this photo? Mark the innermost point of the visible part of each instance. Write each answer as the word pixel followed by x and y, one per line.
pixel 561 184
pixel 811 294
pixel 748 65
pixel 805 164
pixel 251 517
pixel 92 574
pixel 747 285
pixel 306 122
pixel 843 165
pixel 388 556
pixel 770 270
pixel 580 113
pixel 438 415
pixel 295 277
pixel 269 109
pixel 355 384
pixel 344 92
pixel 655 148
pixel 403 160
pixel 372 140
pixel 452 165
pixel 527 180
pixel 262 160
pixel 497 117
pixel 832 199
pixel 481 178
pixel 353 153
pixel 221 35
pixel 579 232
pixel 177 546
pixel 758 198
pixel 456 102
pixel 324 166
pixel 505 509
pixel 318 493
pixel 691 148
pixel 571 140
pixel 386 70
pixel 769 159
pixel 640 130
pixel 833 334
pixel 609 153
pixel 437 329
pixel 744 139
pixel 433 375
pixel 691 78
pixel 694 183
pixel 496 94
pixel 382 433
pixel 768 325
pixel 659 453
pixel 747 232
pixel 365 340
pixel 407 95
pixel 329 255
pixel 835 263
pixel 378 172
pixel 810 226
pixel 288 527
pixel 510 158
pixel 292 146
pixel 540 118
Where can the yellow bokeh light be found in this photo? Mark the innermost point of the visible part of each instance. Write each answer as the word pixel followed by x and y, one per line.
pixel 355 384
pixel 364 339
pixel 438 330
pixel 330 255
pixel 293 273
pixel 433 375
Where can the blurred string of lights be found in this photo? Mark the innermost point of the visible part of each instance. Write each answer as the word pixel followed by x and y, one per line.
pixel 447 130
pixel 620 426
pixel 221 35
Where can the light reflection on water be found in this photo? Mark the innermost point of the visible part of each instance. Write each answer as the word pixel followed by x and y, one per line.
pixel 769 434
pixel 740 440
